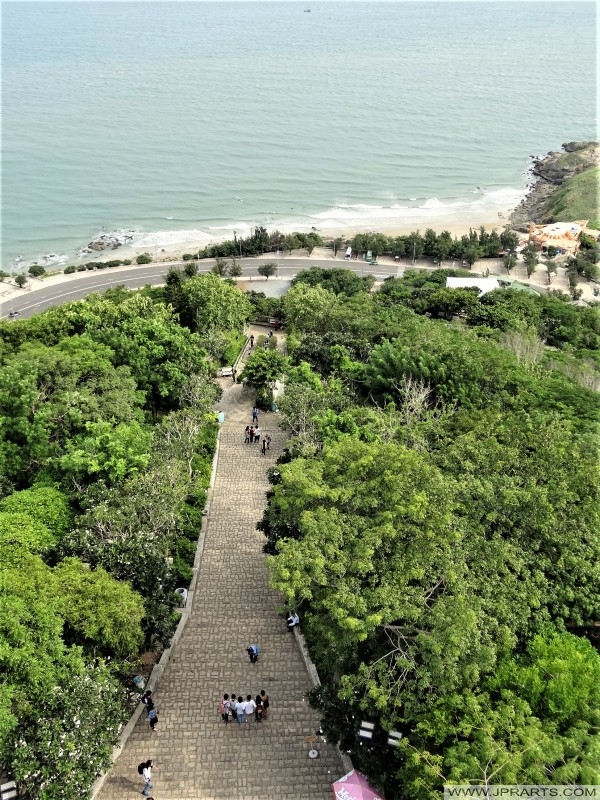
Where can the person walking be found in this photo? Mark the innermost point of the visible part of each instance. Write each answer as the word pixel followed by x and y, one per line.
pixel 224 707
pixel 251 341
pixel 251 435
pixel 268 440
pixel 249 707
pixel 257 434
pixel 263 449
pixel 239 708
pixel 265 703
pixel 146 772
pixel 152 716
pixel 258 709
pixel 147 698
pixel 255 415
pixel 253 651
pixel 233 374
pixel 247 434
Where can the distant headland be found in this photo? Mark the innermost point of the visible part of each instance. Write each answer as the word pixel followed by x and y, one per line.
pixel 566 187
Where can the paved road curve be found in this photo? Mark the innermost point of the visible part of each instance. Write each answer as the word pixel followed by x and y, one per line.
pixel 78 285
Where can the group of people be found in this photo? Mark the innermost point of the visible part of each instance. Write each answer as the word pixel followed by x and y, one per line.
pixel 243 711
pixel 252 433
pixel 151 709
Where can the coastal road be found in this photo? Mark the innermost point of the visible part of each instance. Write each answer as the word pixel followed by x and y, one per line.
pixel 78 285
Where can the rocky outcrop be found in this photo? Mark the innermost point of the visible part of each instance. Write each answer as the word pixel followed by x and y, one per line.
pixel 550 172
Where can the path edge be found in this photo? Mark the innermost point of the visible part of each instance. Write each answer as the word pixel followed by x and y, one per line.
pixel 316 682
pixel 186 611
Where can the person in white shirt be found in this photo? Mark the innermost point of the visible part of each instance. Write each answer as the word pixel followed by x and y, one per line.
pixel 292 620
pixel 249 707
pixel 147 776
pixel 240 710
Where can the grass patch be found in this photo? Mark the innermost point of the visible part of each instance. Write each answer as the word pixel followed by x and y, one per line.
pixel 577 198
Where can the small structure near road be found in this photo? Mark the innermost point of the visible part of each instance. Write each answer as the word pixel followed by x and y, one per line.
pixel 484 285
pixel 564 236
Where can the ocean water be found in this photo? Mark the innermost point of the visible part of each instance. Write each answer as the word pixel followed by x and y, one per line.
pixel 178 117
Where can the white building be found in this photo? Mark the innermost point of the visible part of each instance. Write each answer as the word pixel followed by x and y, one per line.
pixel 484 285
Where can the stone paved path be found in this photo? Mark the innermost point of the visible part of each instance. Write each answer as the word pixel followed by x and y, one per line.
pixel 196 756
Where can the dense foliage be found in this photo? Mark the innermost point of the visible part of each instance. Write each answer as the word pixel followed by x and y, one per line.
pixel 437 522
pixel 107 432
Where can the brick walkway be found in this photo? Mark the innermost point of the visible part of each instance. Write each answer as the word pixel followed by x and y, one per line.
pixel 196 756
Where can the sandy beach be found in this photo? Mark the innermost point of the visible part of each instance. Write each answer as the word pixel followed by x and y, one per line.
pixel 173 248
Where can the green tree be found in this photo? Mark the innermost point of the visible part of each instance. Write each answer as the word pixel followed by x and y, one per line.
pixel 291 242
pixel 107 451
pixel 264 367
pixel 220 268
pixel 267 269
pixel 147 338
pixel 509 239
pixel 20 280
pixel 143 258
pixel 307 307
pixel 18 528
pixel 45 504
pixel 235 269
pixel 59 747
pixel 510 262
pixel 531 259
pixel 99 611
pixel 212 303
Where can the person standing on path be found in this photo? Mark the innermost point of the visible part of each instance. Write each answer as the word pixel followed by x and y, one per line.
pixel 247 434
pixel 233 374
pixel 258 710
pixel 264 446
pixel 232 704
pixel 251 341
pixel 249 708
pixel 268 441
pixel 239 708
pixel 257 434
pixel 253 652
pixel 265 703
pixel 224 707
pixel 255 415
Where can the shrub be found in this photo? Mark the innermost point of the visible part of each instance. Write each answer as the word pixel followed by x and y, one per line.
pixel 126 262
pixel 102 265
pixel 70 269
pixel 90 266
pixel 187 256
pixel 114 263
pixel 81 267
pixel 36 270
pixel 144 258
pixel 264 398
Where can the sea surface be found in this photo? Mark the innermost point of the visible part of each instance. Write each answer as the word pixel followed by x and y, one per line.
pixel 183 120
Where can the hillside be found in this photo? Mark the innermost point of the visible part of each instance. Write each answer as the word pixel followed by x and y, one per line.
pixel 577 198
pixel 566 187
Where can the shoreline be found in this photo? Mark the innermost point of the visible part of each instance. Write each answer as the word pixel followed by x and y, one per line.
pixel 490 209
pixel 174 251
